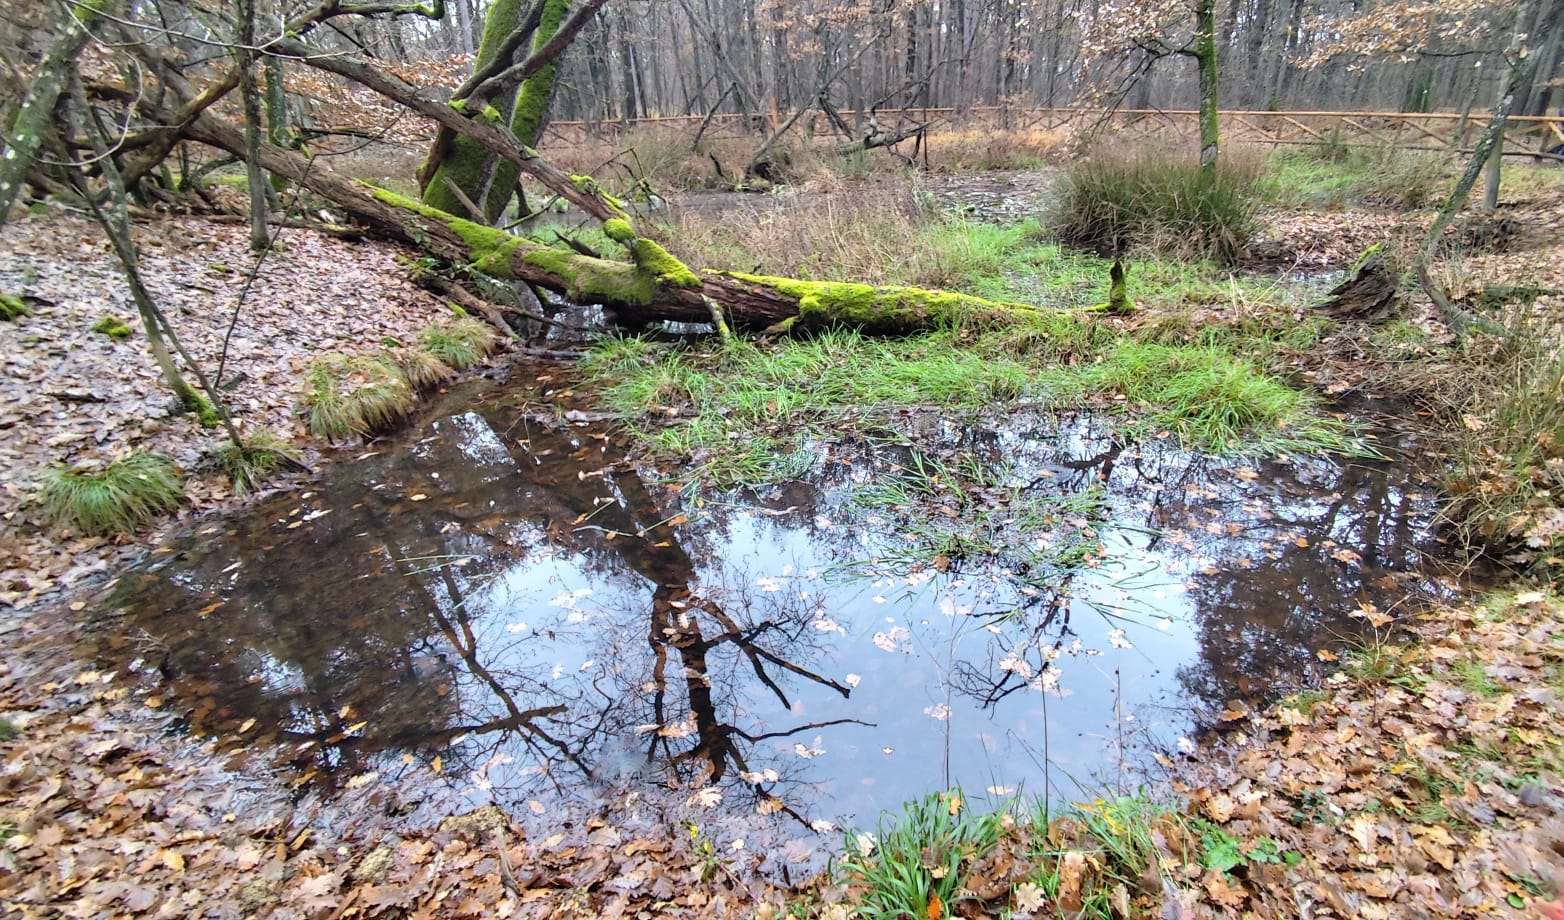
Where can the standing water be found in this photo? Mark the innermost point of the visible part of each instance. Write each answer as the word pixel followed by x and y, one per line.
pixel 498 606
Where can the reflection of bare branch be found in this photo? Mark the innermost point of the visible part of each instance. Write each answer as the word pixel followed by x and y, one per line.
pixel 804 728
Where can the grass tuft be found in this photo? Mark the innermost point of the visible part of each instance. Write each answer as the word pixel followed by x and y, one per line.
pixel 422 369
pixel 356 395
pixel 917 863
pixel 248 468
pixel 1510 468
pixel 127 494
pixel 1116 202
pixel 13 308
pixel 457 342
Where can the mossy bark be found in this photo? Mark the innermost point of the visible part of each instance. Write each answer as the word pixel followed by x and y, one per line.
pixel 482 177
pixel 532 104
pixel 34 119
pixel 1204 52
pixel 461 160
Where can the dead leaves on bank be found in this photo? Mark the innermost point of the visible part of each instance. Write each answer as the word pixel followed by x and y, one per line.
pixel 1424 781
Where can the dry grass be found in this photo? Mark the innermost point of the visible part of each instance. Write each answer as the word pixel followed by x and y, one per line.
pixel 874 233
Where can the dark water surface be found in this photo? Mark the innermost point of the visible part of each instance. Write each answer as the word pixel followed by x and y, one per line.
pixel 494 607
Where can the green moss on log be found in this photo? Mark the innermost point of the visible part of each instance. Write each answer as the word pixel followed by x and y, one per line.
pixel 652 259
pixel 888 309
pixel 619 231
pixel 585 279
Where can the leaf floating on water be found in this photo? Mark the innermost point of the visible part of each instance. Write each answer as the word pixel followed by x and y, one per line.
pixel 536 807
pixel 853 680
pixel 708 797
pixel 814 750
pixel 939 712
pixel 769 805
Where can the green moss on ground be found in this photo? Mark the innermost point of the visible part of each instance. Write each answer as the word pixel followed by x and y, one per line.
pixel 113 327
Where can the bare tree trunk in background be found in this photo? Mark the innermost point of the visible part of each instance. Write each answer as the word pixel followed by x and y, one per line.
pixel 1522 65
pixel 244 54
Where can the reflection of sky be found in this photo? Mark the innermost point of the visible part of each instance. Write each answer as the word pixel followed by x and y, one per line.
pixel 464 579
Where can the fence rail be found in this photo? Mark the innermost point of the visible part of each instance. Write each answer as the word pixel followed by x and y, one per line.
pixel 1406 130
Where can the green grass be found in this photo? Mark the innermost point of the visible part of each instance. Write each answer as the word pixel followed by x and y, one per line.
pixel 13 308
pixel 919 860
pixel 248 468
pixel 1035 534
pixel 127 494
pixel 1328 176
pixel 457 342
pixel 1120 201
pixel 1211 399
pixel 745 414
pixel 356 395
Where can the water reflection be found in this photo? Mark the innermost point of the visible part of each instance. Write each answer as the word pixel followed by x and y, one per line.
pixel 501 607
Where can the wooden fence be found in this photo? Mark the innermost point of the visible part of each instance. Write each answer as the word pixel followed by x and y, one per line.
pixel 1406 130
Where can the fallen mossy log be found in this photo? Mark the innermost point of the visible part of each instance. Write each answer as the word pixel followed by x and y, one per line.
pixel 652 286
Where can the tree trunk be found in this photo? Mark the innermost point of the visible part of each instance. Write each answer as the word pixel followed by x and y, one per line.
pixel 35 119
pixel 459 160
pixel 1206 62
pixel 1522 65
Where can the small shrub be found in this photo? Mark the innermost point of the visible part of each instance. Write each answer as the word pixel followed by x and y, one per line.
pixel 128 493
pixel 113 327
pixel 356 395
pixel 1114 202
pixel 248 468
pixel 458 342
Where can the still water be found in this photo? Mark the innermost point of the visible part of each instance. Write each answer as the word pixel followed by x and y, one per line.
pixel 497 606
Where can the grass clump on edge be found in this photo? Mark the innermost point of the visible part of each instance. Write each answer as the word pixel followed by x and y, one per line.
pixel 1114 202
pixel 248 468
pixel 1510 470
pixel 917 864
pixel 1213 400
pixel 1120 856
pixel 13 307
pixel 458 342
pixel 125 495
pixel 360 395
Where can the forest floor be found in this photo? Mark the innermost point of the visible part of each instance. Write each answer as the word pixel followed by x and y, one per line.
pixel 1424 779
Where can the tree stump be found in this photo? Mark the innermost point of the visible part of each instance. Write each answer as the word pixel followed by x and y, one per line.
pixel 1369 294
